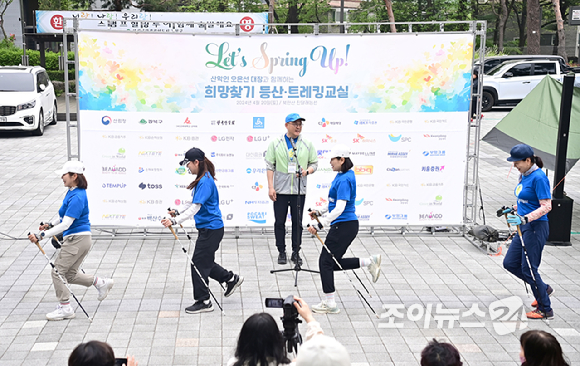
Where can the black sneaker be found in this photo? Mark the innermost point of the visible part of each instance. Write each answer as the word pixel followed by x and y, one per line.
pixel 199 307
pixel 295 257
pixel 282 258
pixel 233 285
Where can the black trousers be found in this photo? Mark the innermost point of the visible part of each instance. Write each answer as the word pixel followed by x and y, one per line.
pixel 339 238
pixel 280 211
pixel 207 243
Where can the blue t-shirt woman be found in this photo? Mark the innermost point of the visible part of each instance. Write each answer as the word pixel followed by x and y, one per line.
pixel 533 204
pixel 204 208
pixel 342 225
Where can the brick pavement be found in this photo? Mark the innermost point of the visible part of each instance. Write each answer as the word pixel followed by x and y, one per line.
pixel 144 316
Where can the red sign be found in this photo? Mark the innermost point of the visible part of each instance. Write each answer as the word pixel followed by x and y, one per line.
pixel 247 24
pixel 56 22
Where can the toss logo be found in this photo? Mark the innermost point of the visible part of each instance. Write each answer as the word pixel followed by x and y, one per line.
pixel 150 186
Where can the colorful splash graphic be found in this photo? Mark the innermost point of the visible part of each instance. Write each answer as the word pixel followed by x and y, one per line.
pixel 170 74
pixel 111 78
pixel 438 82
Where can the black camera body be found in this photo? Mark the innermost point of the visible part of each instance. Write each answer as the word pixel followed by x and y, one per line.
pixel 290 321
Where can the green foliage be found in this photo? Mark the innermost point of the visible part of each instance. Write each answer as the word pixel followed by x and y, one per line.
pixel 65 4
pixel 411 11
pixel 10 57
pixel 58 75
pixel 224 6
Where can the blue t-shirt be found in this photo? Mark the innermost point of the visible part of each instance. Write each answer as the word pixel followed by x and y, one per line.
pixel 343 187
pixel 206 194
pixel 533 188
pixel 76 205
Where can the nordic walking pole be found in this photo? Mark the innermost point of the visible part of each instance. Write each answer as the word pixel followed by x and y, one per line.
pixel 196 270
pixel 61 278
pixel 347 276
pixel 186 233
pixel 529 264
pixel 358 278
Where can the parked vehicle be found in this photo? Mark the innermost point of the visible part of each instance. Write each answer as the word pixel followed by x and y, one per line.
pixel 510 82
pixel 493 61
pixel 27 99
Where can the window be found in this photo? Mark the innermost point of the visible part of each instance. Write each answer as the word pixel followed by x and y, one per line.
pixel 545 69
pixel 521 70
pixel 13 82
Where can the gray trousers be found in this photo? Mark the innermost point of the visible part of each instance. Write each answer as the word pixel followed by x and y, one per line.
pixel 74 249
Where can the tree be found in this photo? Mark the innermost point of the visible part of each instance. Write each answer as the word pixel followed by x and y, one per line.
pixel 533 27
pixel 65 4
pixel 389 6
pixel 560 30
pixel 3 6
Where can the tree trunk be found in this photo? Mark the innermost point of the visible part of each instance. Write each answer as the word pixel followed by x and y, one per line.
pixel 533 26
pixel 389 6
pixel 292 15
pixel 503 14
pixel 522 25
pixel 560 30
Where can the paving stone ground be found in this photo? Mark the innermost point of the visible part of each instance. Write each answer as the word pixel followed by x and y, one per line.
pixel 144 313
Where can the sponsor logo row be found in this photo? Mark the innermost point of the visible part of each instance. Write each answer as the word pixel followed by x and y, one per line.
pixel 260 122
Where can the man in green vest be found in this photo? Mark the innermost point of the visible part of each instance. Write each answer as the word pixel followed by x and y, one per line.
pixel 289 160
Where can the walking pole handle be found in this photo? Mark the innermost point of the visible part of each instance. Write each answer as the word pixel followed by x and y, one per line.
pixel 508 224
pixel 519 231
pixel 173 232
pixel 38 245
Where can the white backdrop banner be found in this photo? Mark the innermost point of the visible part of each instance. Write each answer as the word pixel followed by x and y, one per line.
pixel 52 21
pixel 400 102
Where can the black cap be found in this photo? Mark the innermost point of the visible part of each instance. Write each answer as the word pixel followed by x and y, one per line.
pixel 520 152
pixel 191 155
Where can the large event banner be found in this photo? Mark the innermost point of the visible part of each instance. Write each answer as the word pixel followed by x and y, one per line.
pixel 400 102
pixel 52 21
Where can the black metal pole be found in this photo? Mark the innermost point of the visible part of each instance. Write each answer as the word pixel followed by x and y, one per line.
pixel 563 133
pixel 341 16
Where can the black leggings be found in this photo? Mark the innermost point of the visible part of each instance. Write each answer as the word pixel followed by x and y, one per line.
pixel 207 243
pixel 339 238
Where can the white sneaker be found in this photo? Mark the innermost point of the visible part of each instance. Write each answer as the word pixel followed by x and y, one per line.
pixel 105 288
pixel 323 308
pixel 61 312
pixel 375 267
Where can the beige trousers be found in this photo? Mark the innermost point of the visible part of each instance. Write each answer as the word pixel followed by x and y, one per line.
pixel 74 249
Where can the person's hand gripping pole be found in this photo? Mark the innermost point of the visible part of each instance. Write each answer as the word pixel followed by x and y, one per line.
pixel 36 240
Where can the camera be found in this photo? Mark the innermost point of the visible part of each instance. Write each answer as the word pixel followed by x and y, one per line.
pixel 290 321
pixel 120 362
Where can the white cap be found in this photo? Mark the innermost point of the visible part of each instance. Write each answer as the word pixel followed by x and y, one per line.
pixel 322 350
pixel 71 167
pixel 340 151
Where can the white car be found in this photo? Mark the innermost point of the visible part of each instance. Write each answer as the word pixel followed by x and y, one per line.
pixel 27 99
pixel 512 81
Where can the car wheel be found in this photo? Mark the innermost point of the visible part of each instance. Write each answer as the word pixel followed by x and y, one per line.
pixel 487 101
pixel 40 129
pixel 54 115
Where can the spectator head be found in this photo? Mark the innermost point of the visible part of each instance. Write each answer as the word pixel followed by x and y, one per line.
pixel 322 351
pixel 541 348
pixel 440 354
pixel 260 342
pixel 93 353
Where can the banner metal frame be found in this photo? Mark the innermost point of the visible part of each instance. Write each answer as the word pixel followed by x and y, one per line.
pixel 477 28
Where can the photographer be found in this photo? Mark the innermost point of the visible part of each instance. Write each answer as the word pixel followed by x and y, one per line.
pixel 260 342
pixel 95 353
